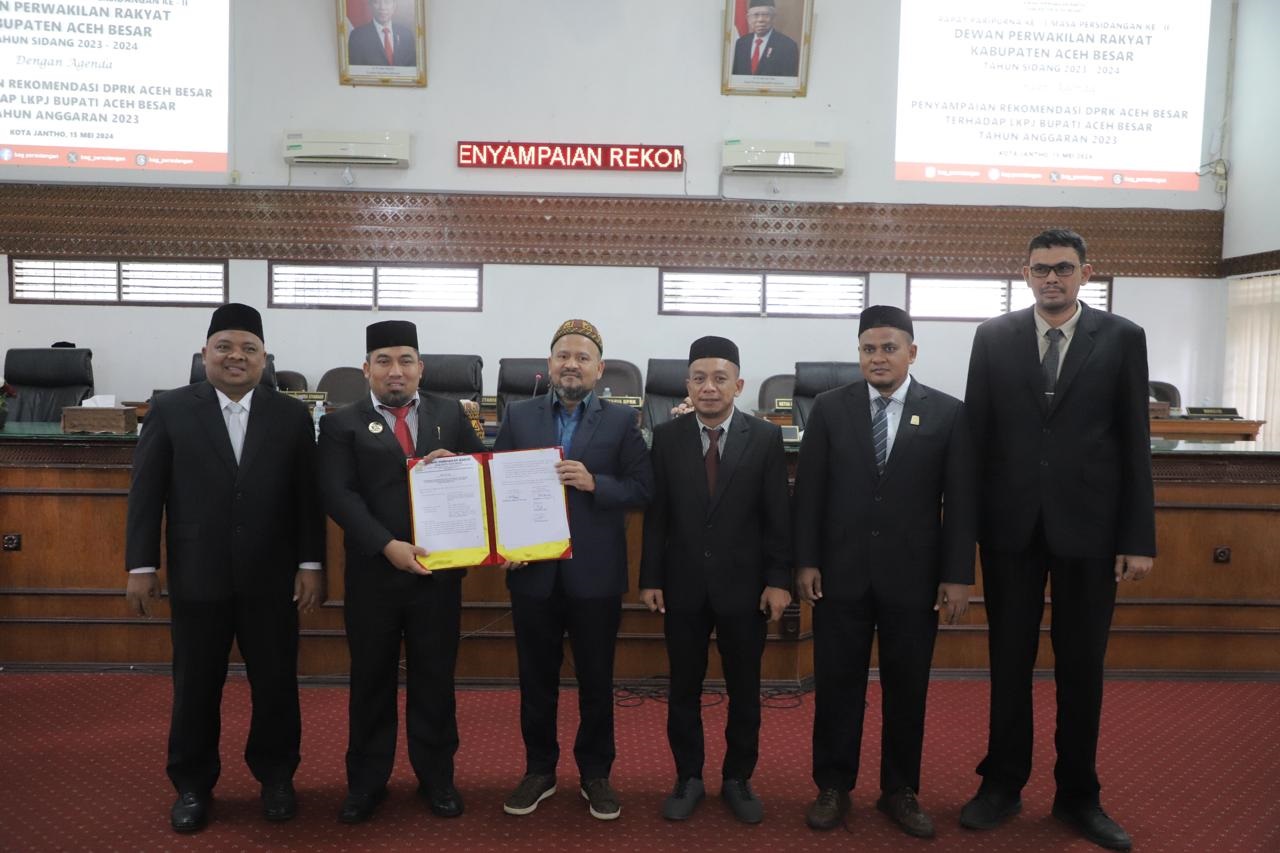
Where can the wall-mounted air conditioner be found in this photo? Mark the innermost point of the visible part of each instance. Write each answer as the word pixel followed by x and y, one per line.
pixel 778 157
pixel 346 148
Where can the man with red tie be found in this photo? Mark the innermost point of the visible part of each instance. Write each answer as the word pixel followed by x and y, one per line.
pixel 389 596
pixel 763 51
pixel 382 41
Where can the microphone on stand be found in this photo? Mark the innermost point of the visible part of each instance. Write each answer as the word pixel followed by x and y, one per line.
pixel 537 377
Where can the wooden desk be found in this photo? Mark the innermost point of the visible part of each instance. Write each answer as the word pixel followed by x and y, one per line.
pixel 1205 429
pixel 61 601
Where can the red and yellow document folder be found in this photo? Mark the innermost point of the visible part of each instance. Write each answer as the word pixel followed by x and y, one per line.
pixel 483 509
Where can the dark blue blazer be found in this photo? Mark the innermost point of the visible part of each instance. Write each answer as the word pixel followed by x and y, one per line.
pixel 609 444
pixel 781 57
pixel 364 47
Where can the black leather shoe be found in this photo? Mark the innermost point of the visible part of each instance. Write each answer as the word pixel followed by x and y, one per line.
pixel 190 812
pixel 444 800
pixel 989 809
pixel 279 801
pixel 359 807
pixel 1092 822
pixel 828 810
pixel 904 809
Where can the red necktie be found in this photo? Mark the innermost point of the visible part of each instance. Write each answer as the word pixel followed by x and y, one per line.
pixel 712 457
pixel 402 427
pixel 755 55
pixel 391 55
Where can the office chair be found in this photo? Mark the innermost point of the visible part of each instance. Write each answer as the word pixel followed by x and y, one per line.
pixel 46 379
pixel 664 387
pixel 814 377
pixel 344 385
pixel 520 379
pixel 778 385
pixel 456 376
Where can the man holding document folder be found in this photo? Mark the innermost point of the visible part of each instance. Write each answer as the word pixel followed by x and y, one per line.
pixel 606 472
pixel 390 596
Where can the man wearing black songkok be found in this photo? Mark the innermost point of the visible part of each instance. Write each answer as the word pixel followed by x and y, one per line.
pixel 717 556
pixel 876 556
pixel 229 465
pixel 390 598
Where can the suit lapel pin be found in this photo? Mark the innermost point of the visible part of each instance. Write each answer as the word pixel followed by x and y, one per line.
pixel 915 420
pixel 375 427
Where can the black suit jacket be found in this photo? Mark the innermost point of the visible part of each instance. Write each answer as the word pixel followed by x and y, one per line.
pixel 609 444
pixel 781 56
pixel 886 532
pixel 364 46
pixel 728 546
pixel 365 482
pixel 1082 464
pixel 229 529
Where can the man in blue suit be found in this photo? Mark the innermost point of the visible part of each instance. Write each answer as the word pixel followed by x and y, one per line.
pixel 382 41
pixel 606 471
pixel 763 51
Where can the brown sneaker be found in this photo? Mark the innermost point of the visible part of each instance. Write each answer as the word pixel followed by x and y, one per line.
pixel 533 789
pixel 904 809
pixel 601 799
pixel 828 810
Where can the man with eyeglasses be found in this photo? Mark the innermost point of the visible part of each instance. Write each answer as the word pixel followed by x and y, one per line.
pixel 1057 399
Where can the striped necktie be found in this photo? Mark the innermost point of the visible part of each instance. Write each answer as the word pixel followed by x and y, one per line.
pixel 880 433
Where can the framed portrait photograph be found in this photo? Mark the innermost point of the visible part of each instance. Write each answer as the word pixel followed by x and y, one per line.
pixel 382 42
pixel 766 47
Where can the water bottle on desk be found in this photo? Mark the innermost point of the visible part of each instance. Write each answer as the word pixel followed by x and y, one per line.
pixel 317 412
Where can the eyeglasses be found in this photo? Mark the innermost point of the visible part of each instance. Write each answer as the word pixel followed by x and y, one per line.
pixel 1061 270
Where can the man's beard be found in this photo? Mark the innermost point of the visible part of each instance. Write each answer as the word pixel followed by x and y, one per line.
pixel 573 395
pixel 395 399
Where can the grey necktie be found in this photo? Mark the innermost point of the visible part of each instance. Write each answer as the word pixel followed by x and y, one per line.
pixel 1049 364
pixel 235 427
pixel 880 433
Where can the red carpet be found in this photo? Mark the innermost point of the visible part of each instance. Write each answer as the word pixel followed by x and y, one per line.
pixel 1186 766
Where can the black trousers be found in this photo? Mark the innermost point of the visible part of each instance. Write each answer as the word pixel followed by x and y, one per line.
pixel 1084 596
pixel 540 627
pixel 266 629
pixel 427 621
pixel 740 640
pixel 842 634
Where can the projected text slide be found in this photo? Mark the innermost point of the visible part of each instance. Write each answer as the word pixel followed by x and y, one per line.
pixel 120 84
pixel 1078 93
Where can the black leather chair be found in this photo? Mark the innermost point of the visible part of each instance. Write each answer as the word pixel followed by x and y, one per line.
pixel 814 377
pixel 291 380
pixel 1165 392
pixel 518 379
pixel 456 376
pixel 198 374
pixel 344 385
pixel 622 378
pixel 46 379
pixel 664 387
pixel 778 385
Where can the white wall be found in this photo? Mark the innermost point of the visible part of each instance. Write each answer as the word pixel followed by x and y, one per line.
pixel 1253 203
pixel 575 71
pixel 567 70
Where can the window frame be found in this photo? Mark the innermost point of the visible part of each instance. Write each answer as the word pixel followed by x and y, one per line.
pixel 373 306
pixel 15 299
pixel 1010 281
pixel 763 313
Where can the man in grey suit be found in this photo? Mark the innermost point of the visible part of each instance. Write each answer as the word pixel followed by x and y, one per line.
pixel 606 472
pixel 876 555
pixel 229 466
pixel 1057 397
pixel 717 556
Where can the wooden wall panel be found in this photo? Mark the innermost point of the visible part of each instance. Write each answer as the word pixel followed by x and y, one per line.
pixel 84 220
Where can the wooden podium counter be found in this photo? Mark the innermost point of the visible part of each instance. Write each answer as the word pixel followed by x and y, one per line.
pixel 1212 605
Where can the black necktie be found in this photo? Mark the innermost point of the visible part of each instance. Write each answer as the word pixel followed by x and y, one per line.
pixel 1049 364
